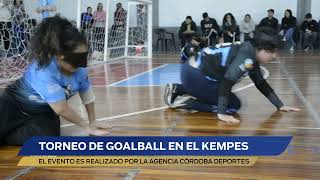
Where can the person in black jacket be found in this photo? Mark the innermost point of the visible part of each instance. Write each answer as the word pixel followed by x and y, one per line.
pixel 270 21
pixel 310 31
pixel 229 28
pixel 87 19
pixel 210 29
pixel 187 30
pixel 288 24
pixel 208 75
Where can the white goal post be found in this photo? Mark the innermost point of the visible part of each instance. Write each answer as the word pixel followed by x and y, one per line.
pixel 118 34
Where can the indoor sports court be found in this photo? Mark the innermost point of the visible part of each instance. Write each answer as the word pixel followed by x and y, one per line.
pixel 129 66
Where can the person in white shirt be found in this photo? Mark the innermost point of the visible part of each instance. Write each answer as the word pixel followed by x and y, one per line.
pixel 247 27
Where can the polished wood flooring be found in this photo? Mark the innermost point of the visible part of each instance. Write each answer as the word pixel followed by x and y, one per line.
pixel 294 76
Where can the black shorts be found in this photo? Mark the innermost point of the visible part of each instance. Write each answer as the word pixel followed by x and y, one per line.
pixel 17 125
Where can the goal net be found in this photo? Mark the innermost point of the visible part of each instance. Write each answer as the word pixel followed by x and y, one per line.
pixel 114 30
pixel 120 29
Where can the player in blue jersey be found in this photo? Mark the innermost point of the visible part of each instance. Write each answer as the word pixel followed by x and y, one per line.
pixel 208 75
pixel 32 106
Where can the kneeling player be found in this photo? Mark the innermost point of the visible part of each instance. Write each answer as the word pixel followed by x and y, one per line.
pixel 209 74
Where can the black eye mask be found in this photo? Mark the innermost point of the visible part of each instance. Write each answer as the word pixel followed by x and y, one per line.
pixel 76 59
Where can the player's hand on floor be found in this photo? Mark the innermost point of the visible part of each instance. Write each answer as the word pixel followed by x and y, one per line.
pixel 228 119
pixel 290 109
pixel 101 125
pixel 96 131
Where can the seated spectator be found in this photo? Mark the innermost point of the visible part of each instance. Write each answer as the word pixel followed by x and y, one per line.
pixel 187 30
pixel 229 28
pixel 87 19
pixel 288 25
pixel 210 29
pixel 310 31
pixel 247 27
pixel 270 21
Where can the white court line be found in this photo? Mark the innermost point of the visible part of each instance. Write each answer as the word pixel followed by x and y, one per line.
pixel 304 128
pixel 266 75
pixel 136 75
pixel 122 115
pixel 303 99
pixel 134 86
pixel 274 62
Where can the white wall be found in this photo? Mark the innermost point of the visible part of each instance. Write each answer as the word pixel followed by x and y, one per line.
pixel 173 12
pixel 315 4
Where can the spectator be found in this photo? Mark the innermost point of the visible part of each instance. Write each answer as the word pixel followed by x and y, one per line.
pixel 310 31
pixel 20 28
pixel 247 27
pixel 18 12
pixel 229 28
pixel 118 28
pixel 5 23
pixel 99 17
pixel 87 19
pixel 47 8
pixel 187 30
pixel 288 24
pixel 270 21
pixel 120 16
pixel 210 29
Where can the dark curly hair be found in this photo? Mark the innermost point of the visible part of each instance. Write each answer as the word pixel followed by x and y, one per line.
pixel 266 38
pixel 54 36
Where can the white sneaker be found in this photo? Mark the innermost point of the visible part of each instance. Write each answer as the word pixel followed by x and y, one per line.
pixel 292 48
pixel 170 94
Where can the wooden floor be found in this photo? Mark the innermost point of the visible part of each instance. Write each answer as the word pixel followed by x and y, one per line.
pixel 295 77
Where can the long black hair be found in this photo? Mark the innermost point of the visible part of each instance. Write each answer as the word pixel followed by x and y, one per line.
pixel 54 36
pixel 289 11
pixel 266 38
pixel 233 20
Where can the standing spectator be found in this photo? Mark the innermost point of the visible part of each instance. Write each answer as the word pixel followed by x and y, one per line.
pixel 5 23
pixel 120 16
pixel 247 27
pixel 310 29
pixel 118 27
pixel 86 27
pixel 210 29
pixel 187 30
pixel 270 21
pixel 288 24
pixel 87 19
pixel 99 17
pixel 20 27
pixel 229 28
pixel 47 8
